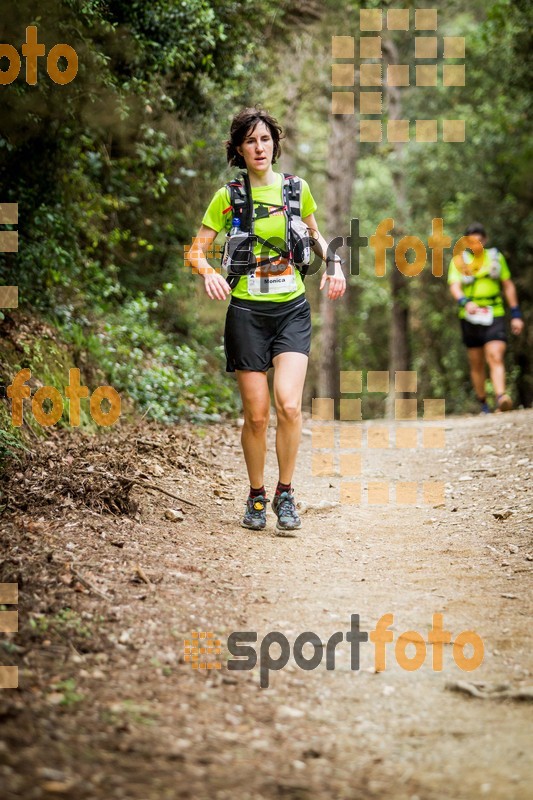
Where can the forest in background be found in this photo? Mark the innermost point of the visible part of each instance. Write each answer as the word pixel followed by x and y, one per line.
pixel 113 171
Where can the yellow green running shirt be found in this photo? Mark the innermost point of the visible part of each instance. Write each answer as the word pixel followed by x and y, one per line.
pixel 483 290
pixel 272 227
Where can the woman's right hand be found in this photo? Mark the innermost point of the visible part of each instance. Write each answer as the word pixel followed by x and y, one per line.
pixel 216 286
pixel 471 307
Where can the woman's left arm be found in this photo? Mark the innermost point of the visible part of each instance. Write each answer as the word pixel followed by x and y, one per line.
pixel 333 272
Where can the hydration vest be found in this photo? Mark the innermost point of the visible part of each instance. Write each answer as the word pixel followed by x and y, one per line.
pixel 297 246
pixel 494 272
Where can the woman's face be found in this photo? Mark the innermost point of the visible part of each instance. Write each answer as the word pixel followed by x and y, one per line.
pixel 257 148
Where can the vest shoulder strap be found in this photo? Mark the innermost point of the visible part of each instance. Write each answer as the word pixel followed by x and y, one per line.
pixel 240 200
pixel 292 186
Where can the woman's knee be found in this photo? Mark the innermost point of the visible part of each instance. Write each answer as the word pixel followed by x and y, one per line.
pixel 289 411
pixel 257 421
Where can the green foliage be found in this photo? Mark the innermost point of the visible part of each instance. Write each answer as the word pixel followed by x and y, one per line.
pixel 64 621
pixel 49 359
pixel 10 443
pixel 112 173
pixel 486 178
pixel 106 169
pixel 68 688
pixel 166 380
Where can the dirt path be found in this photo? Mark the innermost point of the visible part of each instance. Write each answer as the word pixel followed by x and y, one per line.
pixel 108 709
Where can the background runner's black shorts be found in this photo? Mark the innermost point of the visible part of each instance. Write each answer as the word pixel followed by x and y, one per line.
pixel 252 338
pixel 478 335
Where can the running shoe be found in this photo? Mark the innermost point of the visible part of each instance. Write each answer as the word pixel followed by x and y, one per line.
pixel 504 402
pixel 485 409
pixel 284 508
pixel 255 514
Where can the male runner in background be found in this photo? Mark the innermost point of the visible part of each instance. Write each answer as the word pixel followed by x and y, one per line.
pixel 477 283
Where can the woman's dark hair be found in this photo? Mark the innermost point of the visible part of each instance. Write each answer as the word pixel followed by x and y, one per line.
pixel 244 123
pixel 476 227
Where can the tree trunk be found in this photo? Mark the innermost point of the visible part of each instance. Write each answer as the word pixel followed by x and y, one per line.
pixel 341 161
pixel 399 349
pixel 292 62
pixel 290 128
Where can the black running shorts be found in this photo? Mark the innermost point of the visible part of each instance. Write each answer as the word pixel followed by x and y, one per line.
pixel 478 335
pixel 252 338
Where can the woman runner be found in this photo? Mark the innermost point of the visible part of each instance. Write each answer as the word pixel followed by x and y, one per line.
pixel 268 322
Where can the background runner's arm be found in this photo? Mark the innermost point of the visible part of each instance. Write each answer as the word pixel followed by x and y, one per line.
pixel 509 290
pixel 457 292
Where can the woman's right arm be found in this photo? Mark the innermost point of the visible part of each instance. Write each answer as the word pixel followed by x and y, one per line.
pixel 215 284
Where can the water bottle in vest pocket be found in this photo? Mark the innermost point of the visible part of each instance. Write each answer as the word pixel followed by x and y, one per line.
pixel 495 264
pixel 237 255
pixel 301 242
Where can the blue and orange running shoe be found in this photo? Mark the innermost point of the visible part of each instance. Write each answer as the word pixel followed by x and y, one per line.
pixel 284 508
pixel 255 514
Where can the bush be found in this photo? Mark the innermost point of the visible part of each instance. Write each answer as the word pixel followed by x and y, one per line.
pixel 164 378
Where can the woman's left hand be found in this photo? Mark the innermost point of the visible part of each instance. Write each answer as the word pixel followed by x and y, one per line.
pixel 337 282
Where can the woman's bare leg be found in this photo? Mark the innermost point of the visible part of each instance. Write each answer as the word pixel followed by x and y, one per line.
pixel 255 396
pixel 289 377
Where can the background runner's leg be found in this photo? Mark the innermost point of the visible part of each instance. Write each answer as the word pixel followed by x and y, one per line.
pixel 494 353
pixel 255 396
pixel 289 377
pixel 476 359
